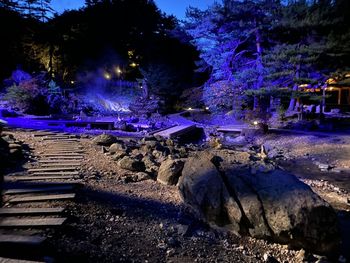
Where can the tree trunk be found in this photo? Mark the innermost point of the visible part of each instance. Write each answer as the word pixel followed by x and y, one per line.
pixel 259 64
pixel 295 87
pixel 50 69
pixel 293 100
pixel 145 89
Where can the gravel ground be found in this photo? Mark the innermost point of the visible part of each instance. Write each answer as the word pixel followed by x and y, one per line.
pixel 115 221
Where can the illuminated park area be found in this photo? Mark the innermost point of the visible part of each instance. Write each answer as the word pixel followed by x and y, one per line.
pixel 175 131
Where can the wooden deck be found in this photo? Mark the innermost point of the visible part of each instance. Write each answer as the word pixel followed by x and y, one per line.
pixel 176 131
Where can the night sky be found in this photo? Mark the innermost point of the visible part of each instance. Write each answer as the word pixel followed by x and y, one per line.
pixel 175 7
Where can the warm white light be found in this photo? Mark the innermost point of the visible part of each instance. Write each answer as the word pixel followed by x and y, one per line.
pixel 207 108
pixel 72 82
pixel 107 76
pixel 118 70
pixel 133 65
pixel 255 123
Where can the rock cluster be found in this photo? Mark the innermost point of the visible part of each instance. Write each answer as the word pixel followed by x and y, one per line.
pixel 11 150
pixel 150 157
pixel 240 191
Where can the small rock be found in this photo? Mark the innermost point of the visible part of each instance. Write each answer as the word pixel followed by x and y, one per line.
pixel 116 147
pixel 104 139
pixel 140 176
pixel 131 164
pixel 119 155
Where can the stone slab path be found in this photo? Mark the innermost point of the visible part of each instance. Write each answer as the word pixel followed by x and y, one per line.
pixel 27 201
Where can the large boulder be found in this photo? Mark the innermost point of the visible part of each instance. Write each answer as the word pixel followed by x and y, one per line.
pixel 273 205
pixel 170 171
pixel 131 164
pixel 202 187
pixel 105 140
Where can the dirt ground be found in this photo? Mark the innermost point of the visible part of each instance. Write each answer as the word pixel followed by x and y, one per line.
pixel 112 220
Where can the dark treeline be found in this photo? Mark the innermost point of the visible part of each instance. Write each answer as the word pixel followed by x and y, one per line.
pixel 121 39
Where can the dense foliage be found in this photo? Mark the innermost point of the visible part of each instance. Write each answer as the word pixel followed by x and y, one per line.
pixel 121 40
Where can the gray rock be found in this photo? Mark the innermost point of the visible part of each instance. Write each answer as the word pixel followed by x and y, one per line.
pixel 170 171
pixel 14 146
pixel 273 205
pixel 140 176
pixel 202 187
pixel 116 147
pixel 104 139
pixel 119 154
pixel 150 163
pixel 131 164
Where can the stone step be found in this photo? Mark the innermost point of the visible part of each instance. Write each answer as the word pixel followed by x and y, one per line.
pixel 10 260
pixel 43 134
pixel 51 169
pixel 31 222
pixel 63 158
pixel 58 173
pixel 48 177
pixel 30 211
pixel 55 161
pixel 64 151
pixel 60 164
pixel 61 155
pixel 39 198
pixel 38 189
pixel 21 239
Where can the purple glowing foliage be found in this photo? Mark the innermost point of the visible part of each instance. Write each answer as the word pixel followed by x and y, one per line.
pixel 19 76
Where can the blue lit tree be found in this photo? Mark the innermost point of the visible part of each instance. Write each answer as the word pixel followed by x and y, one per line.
pixel 231 41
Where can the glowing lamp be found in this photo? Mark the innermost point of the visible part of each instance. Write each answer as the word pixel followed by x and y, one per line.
pixel 72 82
pixel 207 108
pixel 303 85
pixel 118 70
pixel 189 108
pixel 255 123
pixel 133 65
pixel 107 76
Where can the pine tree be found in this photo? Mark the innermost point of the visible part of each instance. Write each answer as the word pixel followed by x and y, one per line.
pixel 38 9
pixel 231 40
